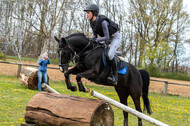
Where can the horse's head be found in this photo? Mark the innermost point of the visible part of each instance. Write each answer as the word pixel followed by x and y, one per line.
pixel 75 43
pixel 65 53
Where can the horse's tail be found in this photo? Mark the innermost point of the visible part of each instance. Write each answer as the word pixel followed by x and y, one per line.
pixel 146 80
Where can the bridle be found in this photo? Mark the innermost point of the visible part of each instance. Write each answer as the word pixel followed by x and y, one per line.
pixel 73 54
pixel 71 58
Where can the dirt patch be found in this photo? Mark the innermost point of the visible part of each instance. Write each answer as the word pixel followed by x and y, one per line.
pixel 172 89
pixel 10 69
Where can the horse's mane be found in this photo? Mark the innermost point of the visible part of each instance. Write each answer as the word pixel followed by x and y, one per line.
pixel 76 34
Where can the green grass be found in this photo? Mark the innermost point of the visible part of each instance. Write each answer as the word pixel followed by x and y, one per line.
pixel 172 110
pixel 13 100
pixel 173 75
pixel 22 58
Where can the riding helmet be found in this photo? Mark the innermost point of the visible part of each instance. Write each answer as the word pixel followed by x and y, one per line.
pixel 92 7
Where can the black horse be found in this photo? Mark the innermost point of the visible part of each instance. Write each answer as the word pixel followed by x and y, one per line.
pixel 89 64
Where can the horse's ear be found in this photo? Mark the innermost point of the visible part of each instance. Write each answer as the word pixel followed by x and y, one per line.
pixel 56 39
pixel 63 41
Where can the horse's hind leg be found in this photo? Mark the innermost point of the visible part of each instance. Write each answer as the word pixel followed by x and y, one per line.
pixel 136 99
pixel 123 95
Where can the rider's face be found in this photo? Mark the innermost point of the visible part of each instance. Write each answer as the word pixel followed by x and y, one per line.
pixel 89 15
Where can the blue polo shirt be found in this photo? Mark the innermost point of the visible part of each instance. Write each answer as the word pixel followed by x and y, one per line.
pixel 43 65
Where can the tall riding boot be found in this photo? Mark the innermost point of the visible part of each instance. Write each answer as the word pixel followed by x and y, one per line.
pixel 114 78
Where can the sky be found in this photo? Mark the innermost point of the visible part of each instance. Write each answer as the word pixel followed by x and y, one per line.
pixel 187 46
pixel 187 3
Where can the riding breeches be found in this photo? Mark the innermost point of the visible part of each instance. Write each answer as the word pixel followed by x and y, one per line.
pixel 115 43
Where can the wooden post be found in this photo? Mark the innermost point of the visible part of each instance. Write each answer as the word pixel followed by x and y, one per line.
pixel 165 87
pixel 19 69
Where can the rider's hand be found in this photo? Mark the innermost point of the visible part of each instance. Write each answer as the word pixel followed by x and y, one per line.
pixel 93 40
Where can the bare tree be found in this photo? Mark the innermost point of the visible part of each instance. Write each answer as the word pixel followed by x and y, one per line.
pixel 154 22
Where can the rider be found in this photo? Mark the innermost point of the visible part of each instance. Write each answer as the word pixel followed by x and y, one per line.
pixel 107 30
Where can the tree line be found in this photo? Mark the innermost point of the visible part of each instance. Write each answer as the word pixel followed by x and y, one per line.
pixel 153 31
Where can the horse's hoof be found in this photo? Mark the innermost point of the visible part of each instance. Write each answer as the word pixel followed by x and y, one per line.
pixel 73 88
pixel 86 90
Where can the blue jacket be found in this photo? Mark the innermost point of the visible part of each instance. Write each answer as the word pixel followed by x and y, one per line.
pixel 43 64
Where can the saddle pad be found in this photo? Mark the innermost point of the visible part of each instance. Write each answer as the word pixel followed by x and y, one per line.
pixel 121 65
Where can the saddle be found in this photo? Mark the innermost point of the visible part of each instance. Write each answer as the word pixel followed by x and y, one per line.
pixel 121 65
pixel 107 70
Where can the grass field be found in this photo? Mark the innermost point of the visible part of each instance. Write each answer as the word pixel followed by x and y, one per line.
pixel 172 110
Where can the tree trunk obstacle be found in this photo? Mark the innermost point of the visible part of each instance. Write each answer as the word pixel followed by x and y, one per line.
pixel 29 77
pixel 51 109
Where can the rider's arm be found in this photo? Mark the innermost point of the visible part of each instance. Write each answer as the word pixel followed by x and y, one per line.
pixel 106 32
pixel 94 35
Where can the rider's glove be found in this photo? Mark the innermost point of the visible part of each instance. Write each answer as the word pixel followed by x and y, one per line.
pixel 93 40
pixel 108 42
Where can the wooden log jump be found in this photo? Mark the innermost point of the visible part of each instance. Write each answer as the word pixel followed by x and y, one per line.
pixel 128 109
pixel 65 110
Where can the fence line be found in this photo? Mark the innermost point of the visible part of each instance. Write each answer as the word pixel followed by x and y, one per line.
pixel 22 64
pixel 166 84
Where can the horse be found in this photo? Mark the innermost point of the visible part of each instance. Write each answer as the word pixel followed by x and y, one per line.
pixel 88 59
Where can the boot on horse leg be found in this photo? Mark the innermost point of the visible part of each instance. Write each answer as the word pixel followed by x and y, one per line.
pixel 67 80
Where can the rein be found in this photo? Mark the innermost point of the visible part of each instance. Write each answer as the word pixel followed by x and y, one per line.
pixel 76 56
pixel 87 53
pixel 84 49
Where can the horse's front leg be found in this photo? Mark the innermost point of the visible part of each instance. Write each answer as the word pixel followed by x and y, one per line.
pixel 86 74
pixel 67 79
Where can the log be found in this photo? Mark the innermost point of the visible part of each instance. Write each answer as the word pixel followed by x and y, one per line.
pixel 28 124
pixel 50 109
pixel 29 77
